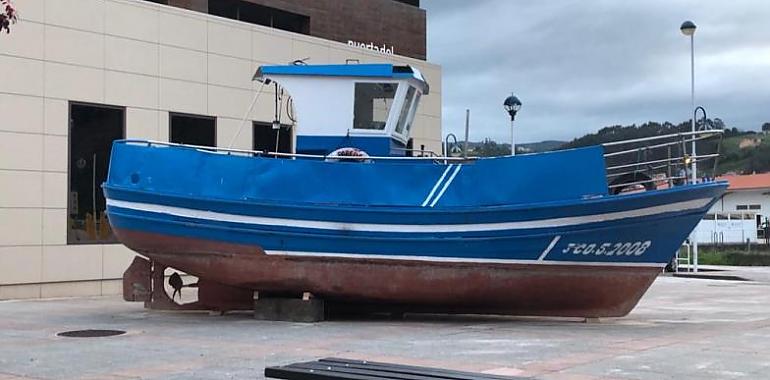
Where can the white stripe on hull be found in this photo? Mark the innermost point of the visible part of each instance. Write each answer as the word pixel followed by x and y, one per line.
pixel 407 228
pixel 549 248
pixel 446 185
pixel 439 259
pixel 435 187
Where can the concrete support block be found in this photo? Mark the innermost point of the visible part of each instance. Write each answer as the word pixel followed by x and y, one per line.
pixel 289 309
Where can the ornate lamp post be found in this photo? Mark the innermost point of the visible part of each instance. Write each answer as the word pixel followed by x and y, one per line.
pixel 512 105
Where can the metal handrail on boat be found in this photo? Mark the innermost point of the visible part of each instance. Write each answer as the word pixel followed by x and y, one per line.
pixel 216 149
pixel 622 172
pixel 656 160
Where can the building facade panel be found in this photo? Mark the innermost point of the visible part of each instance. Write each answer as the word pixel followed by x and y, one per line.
pixel 27 78
pixel 77 14
pixel 21 113
pixel 29 44
pixel 227 39
pixel 55 224
pixel 13 158
pixel 55 190
pixel 144 61
pixel 81 83
pixel 26 228
pixel 21 188
pixel 133 21
pixel 132 56
pixel 20 265
pixel 73 46
pixel 81 262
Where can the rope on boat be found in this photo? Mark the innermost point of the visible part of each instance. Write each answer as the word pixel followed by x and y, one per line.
pixel 246 116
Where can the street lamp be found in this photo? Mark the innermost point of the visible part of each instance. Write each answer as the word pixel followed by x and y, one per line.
pixel 688 29
pixel 512 104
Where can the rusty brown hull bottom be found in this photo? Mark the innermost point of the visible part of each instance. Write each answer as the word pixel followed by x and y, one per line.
pixel 511 289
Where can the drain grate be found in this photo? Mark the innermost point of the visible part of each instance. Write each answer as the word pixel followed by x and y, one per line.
pixel 90 333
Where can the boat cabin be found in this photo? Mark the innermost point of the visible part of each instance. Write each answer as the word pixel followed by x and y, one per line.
pixel 370 107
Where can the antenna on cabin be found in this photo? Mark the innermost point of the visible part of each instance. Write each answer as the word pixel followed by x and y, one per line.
pixel 298 62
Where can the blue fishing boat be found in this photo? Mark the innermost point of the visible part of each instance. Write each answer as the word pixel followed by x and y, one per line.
pixel 352 215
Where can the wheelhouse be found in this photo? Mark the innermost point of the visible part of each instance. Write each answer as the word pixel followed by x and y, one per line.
pixel 370 107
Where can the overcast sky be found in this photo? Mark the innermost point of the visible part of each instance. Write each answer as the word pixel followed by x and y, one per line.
pixel 578 66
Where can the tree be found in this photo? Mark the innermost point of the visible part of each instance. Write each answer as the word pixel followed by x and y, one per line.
pixel 7 15
pixel 766 127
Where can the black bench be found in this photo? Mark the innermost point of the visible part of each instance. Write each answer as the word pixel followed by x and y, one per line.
pixel 334 368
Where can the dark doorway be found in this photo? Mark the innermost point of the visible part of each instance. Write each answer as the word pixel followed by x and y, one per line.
pixel 92 129
pixel 193 130
pixel 265 138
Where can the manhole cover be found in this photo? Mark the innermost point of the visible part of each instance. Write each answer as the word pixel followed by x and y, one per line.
pixel 90 333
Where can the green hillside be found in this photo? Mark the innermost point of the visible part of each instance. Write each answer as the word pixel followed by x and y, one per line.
pixel 746 160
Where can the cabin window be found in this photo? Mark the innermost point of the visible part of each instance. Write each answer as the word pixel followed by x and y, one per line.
pixel 93 128
pixel 372 105
pixel 410 119
pixel 403 117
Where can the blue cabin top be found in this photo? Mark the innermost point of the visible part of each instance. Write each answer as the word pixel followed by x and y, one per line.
pixel 365 106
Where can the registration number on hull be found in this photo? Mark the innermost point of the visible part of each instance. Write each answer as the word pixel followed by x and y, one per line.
pixel 636 248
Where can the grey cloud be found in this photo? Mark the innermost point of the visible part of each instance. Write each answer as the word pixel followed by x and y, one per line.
pixel 582 65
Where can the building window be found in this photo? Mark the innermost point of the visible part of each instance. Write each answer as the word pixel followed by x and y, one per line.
pixel 372 105
pixel 755 207
pixel 193 130
pixel 92 130
pixel 742 207
pixel 260 15
pixel 271 140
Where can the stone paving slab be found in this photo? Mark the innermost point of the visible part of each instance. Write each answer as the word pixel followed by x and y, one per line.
pixel 683 328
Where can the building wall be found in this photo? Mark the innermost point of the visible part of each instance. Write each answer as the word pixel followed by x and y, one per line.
pixel 388 22
pixel 151 59
pixel 735 231
pixel 732 199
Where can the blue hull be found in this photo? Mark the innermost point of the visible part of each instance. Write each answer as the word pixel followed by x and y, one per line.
pixel 236 203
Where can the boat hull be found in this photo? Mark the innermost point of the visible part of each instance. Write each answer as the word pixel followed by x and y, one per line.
pixel 425 235
pixel 566 290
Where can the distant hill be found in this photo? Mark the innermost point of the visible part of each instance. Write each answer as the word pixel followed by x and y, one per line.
pixel 489 148
pixel 542 146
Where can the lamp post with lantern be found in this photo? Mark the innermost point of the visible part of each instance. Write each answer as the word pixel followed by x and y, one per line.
pixel 512 105
pixel 688 29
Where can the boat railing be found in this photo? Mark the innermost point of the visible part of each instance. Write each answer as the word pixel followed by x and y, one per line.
pixel 430 156
pixel 660 161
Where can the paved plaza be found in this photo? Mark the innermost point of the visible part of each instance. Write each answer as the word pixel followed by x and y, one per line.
pixel 683 328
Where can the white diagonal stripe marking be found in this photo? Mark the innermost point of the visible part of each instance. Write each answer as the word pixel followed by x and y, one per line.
pixel 549 248
pixel 427 199
pixel 446 185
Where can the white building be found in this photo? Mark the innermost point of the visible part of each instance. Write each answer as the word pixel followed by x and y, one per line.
pixel 740 213
pixel 77 74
